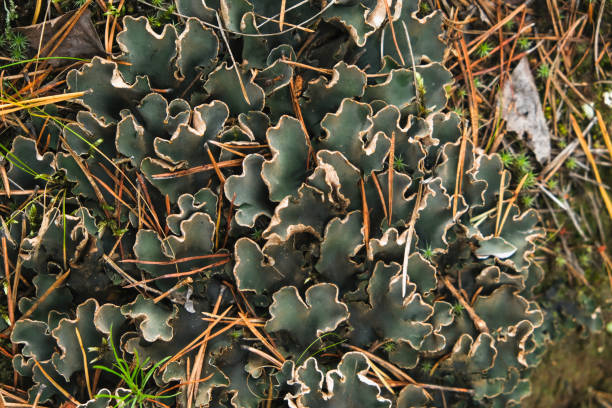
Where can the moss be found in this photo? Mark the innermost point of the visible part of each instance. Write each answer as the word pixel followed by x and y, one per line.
pixel 6 367
pixel 571 370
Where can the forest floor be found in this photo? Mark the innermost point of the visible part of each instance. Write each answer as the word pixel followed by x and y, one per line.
pixel 565 45
pixel 568 46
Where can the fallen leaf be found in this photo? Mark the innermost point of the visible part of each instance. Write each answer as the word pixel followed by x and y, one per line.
pixel 81 42
pixel 522 110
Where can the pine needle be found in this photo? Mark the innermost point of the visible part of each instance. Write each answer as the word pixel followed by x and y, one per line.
pixel 231 54
pixel 85 365
pixel 282 15
pixel 413 218
pixel 589 155
pixel 390 178
pixel 55 384
pixel 15 106
pixel 500 201
pixel 604 132
pixel 512 200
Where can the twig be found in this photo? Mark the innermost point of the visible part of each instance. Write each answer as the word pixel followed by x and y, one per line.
pixel 179 285
pixel 198 169
pixel 194 343
pixel 472 95
pixel 310 67
pixel 604 132
pixel 178 274
pixel 390 18
pixel 45 295
pixel 380 194
pixel 85 365
pixel 478 322
pixel 596 39
pixel 145 190
pixel 512 200
pixel 390 178
pixel 14 106
pixel 298 113
pixel 55 384
pixel 198 363
pixel 432 387
pixel 410 232
pixel 121 272
pixel 265 355
pixel 417 93
pixel 225 30
pixel 215 166
pixel 366 216
pixel 261 338
pixel 282 14
pixel 379 373
pixel 500 201
pixel 7 273
pixel 308 30
pixel 459 175
pixel 231 54
pixel 225 147
pixel 88 176
pixel 397 372
pixel 175 261
pixel 589 155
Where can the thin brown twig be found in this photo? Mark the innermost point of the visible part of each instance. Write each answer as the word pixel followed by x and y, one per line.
pixel 500 201
pixel 478 322
pixel 225 147
pixel 45 295
pixel 391 171
pixel 380 194
pixel 175 261
pixel 145 191
pixel 298 113
pixel 6 184
pixel 231 54
pixel 589 155
pixel 512 200
pixel 459 175
pixel 194 343
pixel 198 363
pixel 397 372
pixel 125 275
pixel 180 284
pixel 390 18
pixel 178 274
pixel 472 94
pixel 281 19
pixel 85 364
pixel 265 355
pixel 366 216
pixel 412 222
pixel 431 386
pixel 228 221
pixel 261 338
pixel 88 176
pixel 198 169
pixel 55 384
pixel 604 132
pixel 111 36
pixel 7 273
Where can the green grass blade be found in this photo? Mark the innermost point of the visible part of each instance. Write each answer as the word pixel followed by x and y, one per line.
pixel 12 64
pixel 320 338
pixel 108 370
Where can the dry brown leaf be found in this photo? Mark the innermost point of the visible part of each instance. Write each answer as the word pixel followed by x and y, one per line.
pixel 81 42
pixel 522 110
